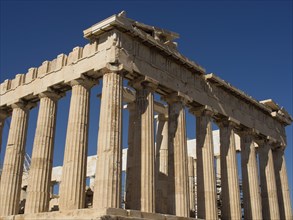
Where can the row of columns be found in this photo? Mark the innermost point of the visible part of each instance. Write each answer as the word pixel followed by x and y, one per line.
pixel 150 169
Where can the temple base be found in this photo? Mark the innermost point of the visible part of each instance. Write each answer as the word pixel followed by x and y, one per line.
pixel 95 214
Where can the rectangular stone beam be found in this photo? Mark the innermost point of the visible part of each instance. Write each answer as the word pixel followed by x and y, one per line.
pixel 200 88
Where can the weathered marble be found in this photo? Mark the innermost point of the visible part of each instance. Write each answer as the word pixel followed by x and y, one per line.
pixel 162 164
pixel 13 162
pixel 178 196
pixel 38 190
pixel 282 185
pixel 250 182
pixel 143 163
pixel 206 181
pixel 72 187
pixel 107 189
pixel 269 196
pixel 230 191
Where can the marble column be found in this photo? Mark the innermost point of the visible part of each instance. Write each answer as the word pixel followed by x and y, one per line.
pixel 107 190
pixel 13 162
pixel 131 154
pixel 178 200
pixel 250 183
pixel 3 116
pixel 270 205
pixel 162 164
pixel 230 193
pixel 206 181
pixel 73 180
pixel 195 187
pixel 143 194
pixel 191 186
pixel 38 190
pixel 282 184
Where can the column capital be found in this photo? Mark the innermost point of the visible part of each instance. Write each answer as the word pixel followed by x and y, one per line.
pixel 162 117
pixel 245 131
pixel 177 97
pixel 228 121
pixel 23 105
pixel 85 81
pixel 266 140
pixel 202 111
pixel 53 95
pixel 144 82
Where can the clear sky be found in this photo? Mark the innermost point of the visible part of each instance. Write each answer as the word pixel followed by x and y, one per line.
pixel 247 43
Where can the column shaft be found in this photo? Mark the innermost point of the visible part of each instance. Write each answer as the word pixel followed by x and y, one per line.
pixel 143 170
pixel 73 180
pixel 38 191
pixel 283 191
pixel 229 174
pixel 13 162
pixel 107 190
pixel 250 184
pixel 270 206
pixel 178 162
pixel 131 154
pixel 191 186
pixel 162 164
pixel 206 182
pixel 2 122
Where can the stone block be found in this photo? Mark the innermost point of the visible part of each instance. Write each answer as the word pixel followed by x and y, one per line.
pixel 89 49
pixel 31 75
pixel 5 86
pixel 74 55
pixel 17 81
pixel 43 69
pixel 61 61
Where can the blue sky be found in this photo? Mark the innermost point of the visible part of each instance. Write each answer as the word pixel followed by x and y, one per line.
pixel 247 43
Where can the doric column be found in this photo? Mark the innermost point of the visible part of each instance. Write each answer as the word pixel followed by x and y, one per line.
pixel 178 196
pixel 229 173
pixel 191 186
pixel 270 206
pixel 195 188
pixel 107 190
pixel 162 164
pixel 143 159
pixel 38 191
pixel 13 162
pixel 206 182
pixel 73 180
pixel 282 184
pixel 131 153
pixel 3 116
pixel 250 183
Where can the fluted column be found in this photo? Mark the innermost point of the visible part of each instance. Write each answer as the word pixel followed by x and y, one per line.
pixel 206 182
pixel 191 186
pixel 131 154
pixel 250 183
pixel 283 191
pixel 73 180
pixel 162 164
pixel 38 191
pixel 13 162
pixel 229 173
pixel 178 199
pixel 270 206
pixel 107 190
pixel 3 116
pixel 143 164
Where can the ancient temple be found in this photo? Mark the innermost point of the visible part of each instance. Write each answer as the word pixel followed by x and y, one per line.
pixel 157 183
